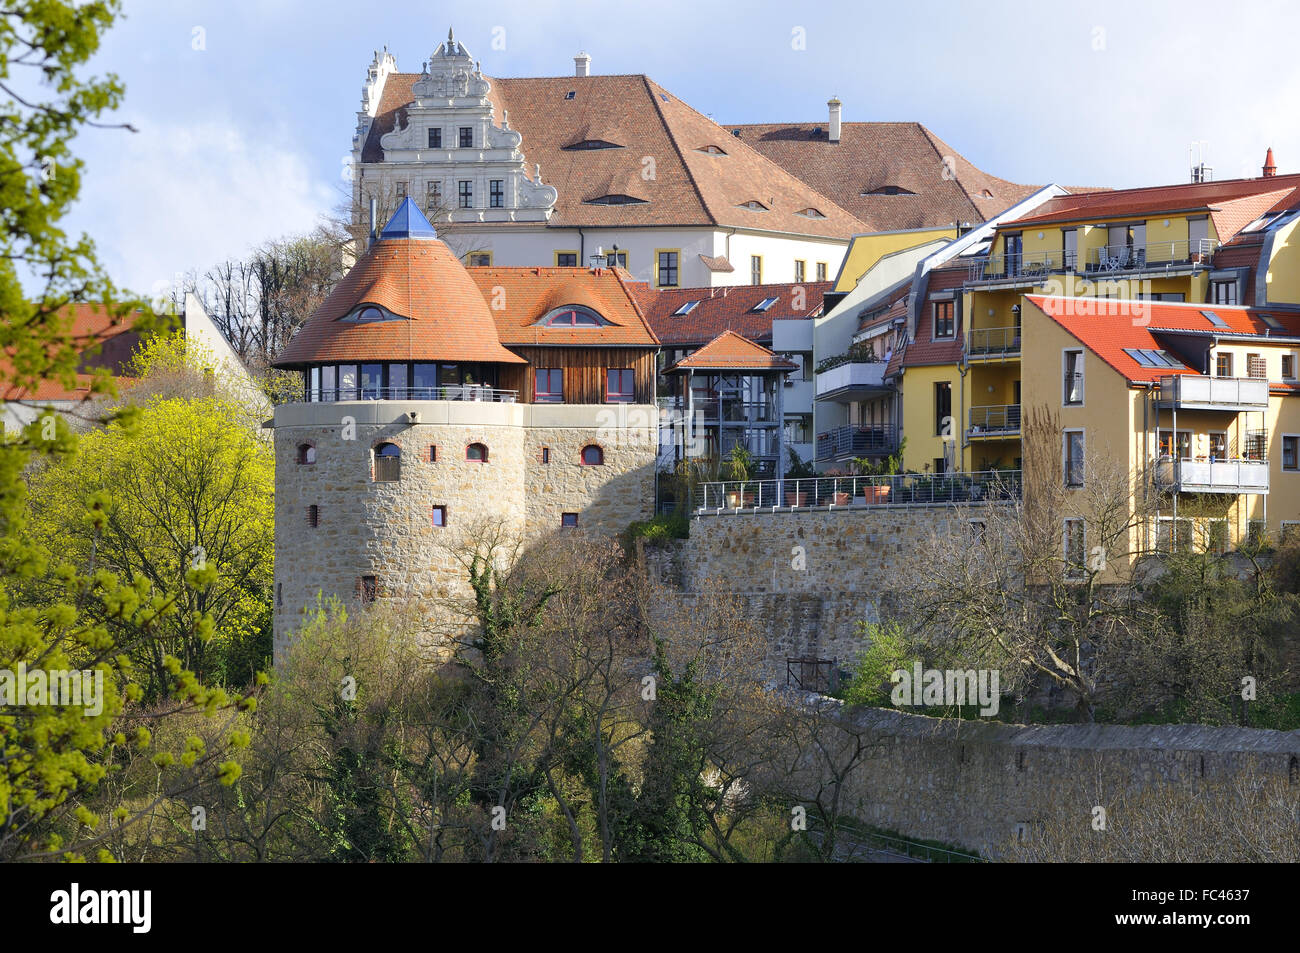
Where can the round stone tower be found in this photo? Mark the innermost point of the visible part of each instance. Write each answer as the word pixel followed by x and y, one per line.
pixel 416 423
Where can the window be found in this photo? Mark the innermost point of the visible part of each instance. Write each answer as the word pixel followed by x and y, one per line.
pixel 798 428
pixel 566 259
pixel 435 138
pixel 620 386
pixel 1223 365
pixel 545 455
pixel 615 198
pixel 548 385
pixel 572 317
pixel 568 519
pixel 686 309
pixel 401 191
pixel 433 453
pixel 616 259
pixel 1223 292
pixel 480 259
pixel 313 516
pixel 592 456
pixel 944 326
pixel 799 267
pixel 496 193
pixel 467 137
pixel 465 189
pixel 440 516
pixel 1072 393
pixel 306 453
pixel 942 409
pixel 433 193
pixel 1069 247
pixel 1013 245
pixel 1288 367
pixel 1290 457
pixel 1218 446
pixel 755 269
pixel 940 465
pixel 1173 536
pixel 666 271
pixel 1216 536
pixel 1169 446
pixel 1075 552
pixel 387 465
pixel 763 305
pixel 1072 462
pixel 369 588
pixel 1255 366
pixel 477 453
pixel 821 271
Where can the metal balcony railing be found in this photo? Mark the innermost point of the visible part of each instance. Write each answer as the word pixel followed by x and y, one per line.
pixel 994 419
pixel 1227 393
pixel 450 392
pixel 992 342
pixel 986 486
pixel 1017 268
pixel 1209 475
pixel 1153 256
pixel 845 443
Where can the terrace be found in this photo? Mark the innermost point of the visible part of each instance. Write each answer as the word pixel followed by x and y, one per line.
pixel 857 492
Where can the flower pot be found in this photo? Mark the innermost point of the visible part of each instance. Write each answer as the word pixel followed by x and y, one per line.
pixel 733 499
pixel 793 498
pixel 748 497
pixel 840 499
pixel 872 495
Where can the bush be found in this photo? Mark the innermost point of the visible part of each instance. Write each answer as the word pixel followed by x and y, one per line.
pixel 661 529
pixel 888 651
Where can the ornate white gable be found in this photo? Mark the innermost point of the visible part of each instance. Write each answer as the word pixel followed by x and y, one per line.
pixel 426 152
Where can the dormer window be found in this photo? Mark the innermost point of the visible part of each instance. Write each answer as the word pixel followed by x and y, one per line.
pixel 753 205
pixel 588 145
pixel 888 190
pixel 369 314
pixel 616 199
pixel 572 316
pixel 810 213
pixel 711 150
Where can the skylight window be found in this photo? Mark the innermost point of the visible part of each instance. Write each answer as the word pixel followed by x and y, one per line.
pixel 1151 357
pixel 1214 319
pixel 570 94
pixel 1140 356
pixel 763 305
pixel 663 97
pixel 1271 321
pixel 686 309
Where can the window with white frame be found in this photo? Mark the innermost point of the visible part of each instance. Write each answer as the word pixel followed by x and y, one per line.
pixel 1072 460
pixel 1072 368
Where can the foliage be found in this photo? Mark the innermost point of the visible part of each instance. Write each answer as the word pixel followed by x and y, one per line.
pixel 799 468
pixel 659 529
pixel 859 352
pixel 888 650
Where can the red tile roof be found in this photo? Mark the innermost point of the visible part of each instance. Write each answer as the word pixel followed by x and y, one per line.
pixel 688 186
pixel 520 297
pixel 1232 203
pixel 731 351
pixel 103 340
pixel 1106 326
pixel 726 308
pixel 936 185
pixel 418 279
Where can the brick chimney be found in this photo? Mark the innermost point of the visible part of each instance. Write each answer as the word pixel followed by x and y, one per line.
pixel 833 130
pixel 582 65
pixel 1270 167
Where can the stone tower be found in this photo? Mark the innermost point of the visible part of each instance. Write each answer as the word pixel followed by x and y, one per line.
pixel 415 420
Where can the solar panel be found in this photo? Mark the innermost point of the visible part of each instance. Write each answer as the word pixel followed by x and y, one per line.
pixel 1214 319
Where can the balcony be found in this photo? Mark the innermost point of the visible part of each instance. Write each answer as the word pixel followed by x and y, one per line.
pixel 994 421
pixel 1024 269
pixel 474 392
pixel 1197 392
pixel 847 443
pixel 852 381
pixel 993 343
pixel 1151 258
pixel 863 493
pixel 1212 476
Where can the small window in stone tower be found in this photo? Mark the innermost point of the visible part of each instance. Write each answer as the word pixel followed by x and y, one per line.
pixel 440 516
pixel 477 453
pixel 592 456
pixel 568 519
pixel 387 463
pixel 433 453
pixel 313 516
pixel 545 455
pixel 306 453
pixel 368 588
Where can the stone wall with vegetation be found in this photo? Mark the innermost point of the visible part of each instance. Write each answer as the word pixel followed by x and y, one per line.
pixel 982 785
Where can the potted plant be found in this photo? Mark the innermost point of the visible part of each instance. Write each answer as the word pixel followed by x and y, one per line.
pixel 739 467
pixel 833 491
pixel 798 470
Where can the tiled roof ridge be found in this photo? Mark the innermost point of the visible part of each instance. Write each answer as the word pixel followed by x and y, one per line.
pixel 672 139
pixel 934 144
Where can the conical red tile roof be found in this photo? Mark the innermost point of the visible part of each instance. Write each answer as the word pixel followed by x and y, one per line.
pixel 444 315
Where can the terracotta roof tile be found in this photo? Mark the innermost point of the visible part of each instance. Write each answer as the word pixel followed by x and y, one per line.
pixel 526 295
pixel 731 351
pixel 726 308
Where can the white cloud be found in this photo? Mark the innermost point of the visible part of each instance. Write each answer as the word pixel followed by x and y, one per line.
pixel 175 197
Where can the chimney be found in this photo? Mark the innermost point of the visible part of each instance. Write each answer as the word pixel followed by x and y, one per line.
pixel 582 65
pixel 1270 167
pixel 374 213
pixel 833 133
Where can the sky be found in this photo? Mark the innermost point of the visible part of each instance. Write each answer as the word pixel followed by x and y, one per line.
pixel 246 108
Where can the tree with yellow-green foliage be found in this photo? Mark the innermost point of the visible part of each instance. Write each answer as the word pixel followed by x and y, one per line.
pixel 54 754
pixel 187 492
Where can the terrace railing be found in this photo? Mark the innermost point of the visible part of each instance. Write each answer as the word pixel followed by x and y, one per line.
pixel 844 443
pixel 995 419
pixel 991 342
pixel 450 392
pixel 842 492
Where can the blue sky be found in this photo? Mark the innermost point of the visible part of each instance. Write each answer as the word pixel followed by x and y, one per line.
pixel 246 109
